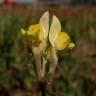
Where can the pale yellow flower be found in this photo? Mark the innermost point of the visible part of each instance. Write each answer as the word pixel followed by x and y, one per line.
pixel 46 41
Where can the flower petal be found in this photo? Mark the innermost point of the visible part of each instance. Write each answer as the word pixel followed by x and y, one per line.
pixel 54 29
pixel 44 22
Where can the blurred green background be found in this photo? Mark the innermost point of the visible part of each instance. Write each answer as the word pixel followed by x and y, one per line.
pixel 76 72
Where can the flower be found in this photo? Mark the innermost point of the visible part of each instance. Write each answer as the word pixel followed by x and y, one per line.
pixel 46 40
pixel 59 40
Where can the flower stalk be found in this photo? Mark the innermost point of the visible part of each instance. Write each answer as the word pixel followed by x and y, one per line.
pixel 54 61
pixel 37 58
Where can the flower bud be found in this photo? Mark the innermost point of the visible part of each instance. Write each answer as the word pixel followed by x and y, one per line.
pixel 29 47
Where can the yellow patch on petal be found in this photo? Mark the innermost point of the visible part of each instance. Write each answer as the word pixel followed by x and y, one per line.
pixel 62 40
pixel 23 32
pixel 71 45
